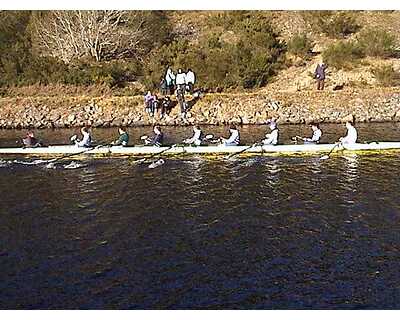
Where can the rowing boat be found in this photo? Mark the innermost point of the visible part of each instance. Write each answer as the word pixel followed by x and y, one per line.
pixel 149 150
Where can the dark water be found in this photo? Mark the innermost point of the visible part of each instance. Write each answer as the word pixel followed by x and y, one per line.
pixel 195 233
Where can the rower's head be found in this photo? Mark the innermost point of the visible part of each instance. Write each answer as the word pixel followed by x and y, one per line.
pixel 30 134
pixel 85 129
pixel 232 127
pixel 349 124
pixel 314 126
pixel 121 130
pixel 196 128
pixel 157 129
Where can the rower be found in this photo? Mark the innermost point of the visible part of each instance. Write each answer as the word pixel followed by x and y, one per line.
pixel 234 138
pixel 316 137
pixel 157 139
pixel 273 136
pixel 197 137
pixel 30 141
pixel 351 136
pixel 123 138
pixel 86 139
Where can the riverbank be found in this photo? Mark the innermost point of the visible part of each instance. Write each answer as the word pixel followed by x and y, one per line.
pixel 294 107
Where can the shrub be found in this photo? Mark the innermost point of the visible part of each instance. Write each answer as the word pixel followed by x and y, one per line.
pixel 300 45
pixel 343 55
pixel 386 76
pixel 376 43
pixel 334 24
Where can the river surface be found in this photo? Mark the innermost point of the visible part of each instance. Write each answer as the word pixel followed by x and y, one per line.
pixel 199 233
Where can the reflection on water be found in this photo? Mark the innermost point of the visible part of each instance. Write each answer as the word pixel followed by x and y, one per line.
pixel 251 232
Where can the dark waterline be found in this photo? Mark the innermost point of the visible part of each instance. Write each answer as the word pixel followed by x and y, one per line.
pixel 195 233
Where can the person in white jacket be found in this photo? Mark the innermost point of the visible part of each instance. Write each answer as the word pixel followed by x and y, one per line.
pixel 170 79
pixel 351 136
pixel 190 80
pixel 272 137
pixel 86 141
pixel 181 80
pixel 197 137
pixel 234 138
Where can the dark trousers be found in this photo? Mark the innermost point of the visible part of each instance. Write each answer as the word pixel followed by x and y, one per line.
pixel 320 84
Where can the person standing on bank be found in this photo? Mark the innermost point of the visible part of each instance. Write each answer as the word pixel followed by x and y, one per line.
pixel 181 80
pixel 170 79
pixel 190 80
pixel 320 75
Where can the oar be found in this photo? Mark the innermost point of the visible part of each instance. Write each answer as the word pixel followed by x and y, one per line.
pixel 154 155
pixel 241 151
pixel 325 157
pixel 77 153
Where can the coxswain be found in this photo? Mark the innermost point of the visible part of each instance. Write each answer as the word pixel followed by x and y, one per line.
pixel 351 136
pixel 123 138
pixel 86 139
pixel 234 138
pixel 316 137
pixel 30 141
pixel 197 137
pixel 157 139
pixel 272 137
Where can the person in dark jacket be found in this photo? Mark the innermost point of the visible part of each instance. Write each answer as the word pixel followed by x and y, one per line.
pixel 165 107
pixel 123 138
pixel 157 139
pixel 163 87
pixel 30 141
pixel 320 75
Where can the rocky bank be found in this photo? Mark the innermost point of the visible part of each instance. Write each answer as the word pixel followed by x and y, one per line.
pixel 365 105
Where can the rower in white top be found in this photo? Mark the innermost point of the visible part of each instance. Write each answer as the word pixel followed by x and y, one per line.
pixel 351 136
pixel 86 139
pixel 234 138
pixel 316 137
pixel 197 137
pixel 273 136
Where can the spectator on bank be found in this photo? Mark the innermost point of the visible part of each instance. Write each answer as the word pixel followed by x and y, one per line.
pixel 190 80
pixel 170 79
pixel 320 75
pixel 165 107
pixel 181 80
pixel 148 102
pixel 180 97
pixel 163 86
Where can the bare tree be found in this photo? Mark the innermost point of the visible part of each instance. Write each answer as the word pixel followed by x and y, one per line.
pixel 100 34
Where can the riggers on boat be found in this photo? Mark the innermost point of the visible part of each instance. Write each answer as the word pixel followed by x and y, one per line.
pixel 116 151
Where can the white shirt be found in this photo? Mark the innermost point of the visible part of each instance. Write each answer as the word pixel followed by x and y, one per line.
pixel 170 75
pixel 196 139
pixel 272 138
pixel 190 78
pixel 351 136
pixel 86 140
pixel 181 78
pixel 315 137
pixel 234 138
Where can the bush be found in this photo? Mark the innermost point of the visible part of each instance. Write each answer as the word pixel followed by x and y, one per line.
pixel 300 45
pixel 377 43
pixel 334 24
pixel 386 76
pixel 249 62
pixel 343 55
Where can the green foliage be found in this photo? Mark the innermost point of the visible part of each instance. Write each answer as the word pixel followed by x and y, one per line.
pixel 377 43
pixel 300 45
pixel 386 76
pixel 343 55
pixel 249 62
pixel 334 24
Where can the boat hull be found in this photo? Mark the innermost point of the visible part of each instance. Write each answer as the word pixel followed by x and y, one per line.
pixel 202 150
